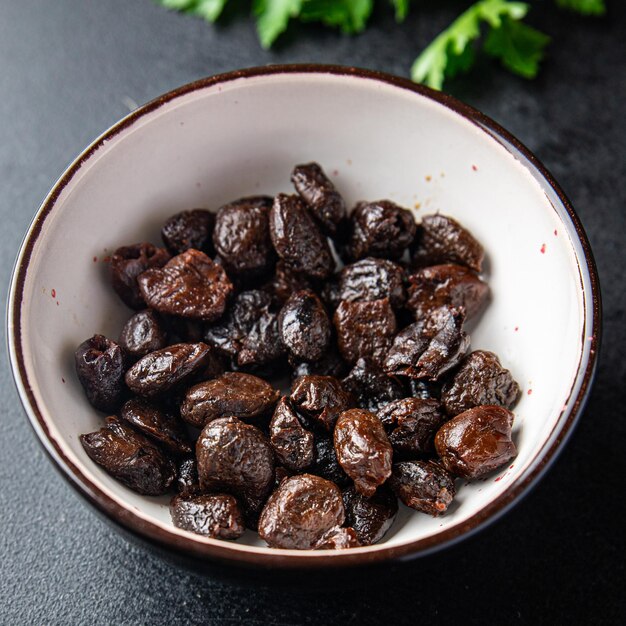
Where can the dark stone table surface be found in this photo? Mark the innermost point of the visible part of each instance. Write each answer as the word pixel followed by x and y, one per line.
pixel 68 70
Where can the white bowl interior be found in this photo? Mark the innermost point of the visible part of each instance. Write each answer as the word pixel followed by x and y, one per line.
pixel 376 140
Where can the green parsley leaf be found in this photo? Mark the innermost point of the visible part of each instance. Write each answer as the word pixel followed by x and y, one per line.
pixel 210 10
pixel 519 47
pixel 448 53
pixel 402 9
pixel 493 11
pixel 349 15
pixel 585 7
pixel 177 5
pixel 273 17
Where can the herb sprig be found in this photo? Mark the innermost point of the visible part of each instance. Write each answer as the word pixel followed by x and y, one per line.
pixel 493 27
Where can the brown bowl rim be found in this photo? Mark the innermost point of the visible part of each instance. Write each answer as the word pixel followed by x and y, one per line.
pixel 221 551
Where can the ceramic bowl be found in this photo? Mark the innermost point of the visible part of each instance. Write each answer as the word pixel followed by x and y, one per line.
pixel 378 137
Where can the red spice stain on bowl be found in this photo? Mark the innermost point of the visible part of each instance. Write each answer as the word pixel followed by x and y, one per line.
pixel 474 168
pixel 530 392
pixel 499 478
pixel 543 248
pixel 335 172
pixel 516 328
pixel 556 232
pixel 95 259
pixel 62 380
pixel 53 293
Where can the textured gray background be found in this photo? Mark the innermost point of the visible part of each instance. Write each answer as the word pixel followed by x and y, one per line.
pixel 68 70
